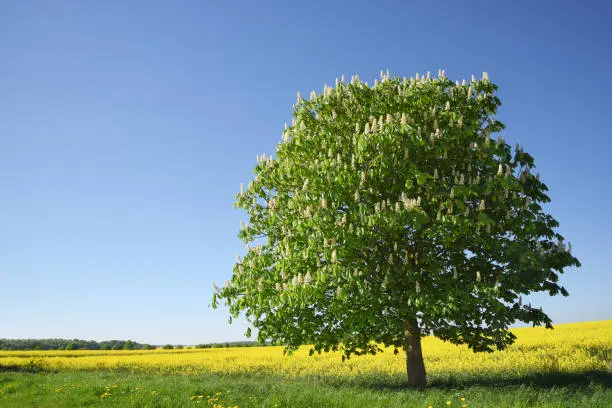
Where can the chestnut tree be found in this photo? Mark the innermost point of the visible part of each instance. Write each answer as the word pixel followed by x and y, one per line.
pixel 390 212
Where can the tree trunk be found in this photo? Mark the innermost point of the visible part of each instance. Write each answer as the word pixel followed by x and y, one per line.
pixel 414 357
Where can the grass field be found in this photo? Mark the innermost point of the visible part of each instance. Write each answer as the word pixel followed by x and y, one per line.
pixel 570 366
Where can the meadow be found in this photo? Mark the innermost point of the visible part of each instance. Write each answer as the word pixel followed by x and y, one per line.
pixel 570 366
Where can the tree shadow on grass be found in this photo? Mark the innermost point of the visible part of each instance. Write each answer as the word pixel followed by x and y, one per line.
pixel 32 367
pixel 548 380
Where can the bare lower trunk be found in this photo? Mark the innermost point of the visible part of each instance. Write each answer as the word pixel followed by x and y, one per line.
pixel 414 357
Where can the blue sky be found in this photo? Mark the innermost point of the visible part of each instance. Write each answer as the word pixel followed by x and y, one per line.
pixel 127 127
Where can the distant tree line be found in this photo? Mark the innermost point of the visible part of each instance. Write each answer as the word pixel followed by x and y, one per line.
pixel 231 344
pixel 75 344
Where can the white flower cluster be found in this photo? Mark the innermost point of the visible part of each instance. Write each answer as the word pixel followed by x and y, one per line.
pixel 301 280
pixel 410 203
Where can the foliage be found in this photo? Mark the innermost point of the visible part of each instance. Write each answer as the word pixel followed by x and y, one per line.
pixel 63 344
pixel 389 203
pixel 229 344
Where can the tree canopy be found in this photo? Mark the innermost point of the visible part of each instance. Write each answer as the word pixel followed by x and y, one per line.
pixel 392 209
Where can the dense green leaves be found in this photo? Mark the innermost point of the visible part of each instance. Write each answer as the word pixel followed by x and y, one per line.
pixel 388 202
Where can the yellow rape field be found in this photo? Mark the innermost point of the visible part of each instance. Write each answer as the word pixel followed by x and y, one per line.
pixel 569 348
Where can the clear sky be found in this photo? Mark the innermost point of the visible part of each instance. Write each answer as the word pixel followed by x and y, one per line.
pixel 126 128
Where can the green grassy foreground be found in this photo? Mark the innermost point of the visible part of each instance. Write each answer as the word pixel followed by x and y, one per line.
pixel 21 389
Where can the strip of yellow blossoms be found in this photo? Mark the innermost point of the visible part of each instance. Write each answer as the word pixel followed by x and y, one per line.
pixel 569 348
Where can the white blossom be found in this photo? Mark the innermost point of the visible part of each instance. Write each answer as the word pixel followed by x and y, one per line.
pixel 477 276
pixel 390 259
pixel 307 278
pixel 214 285
pixel 485 76
pixel 418 286
pixel 447 107
pixel 404 119
pixel 481 207
pixel 334 256
pixel 299 97
pixel 313 94
pixel 500 169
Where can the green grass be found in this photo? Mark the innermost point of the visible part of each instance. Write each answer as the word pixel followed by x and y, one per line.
pixel 21 389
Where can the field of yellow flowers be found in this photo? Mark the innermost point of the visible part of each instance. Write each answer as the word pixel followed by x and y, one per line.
pixel 568 366
pixel 569 348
